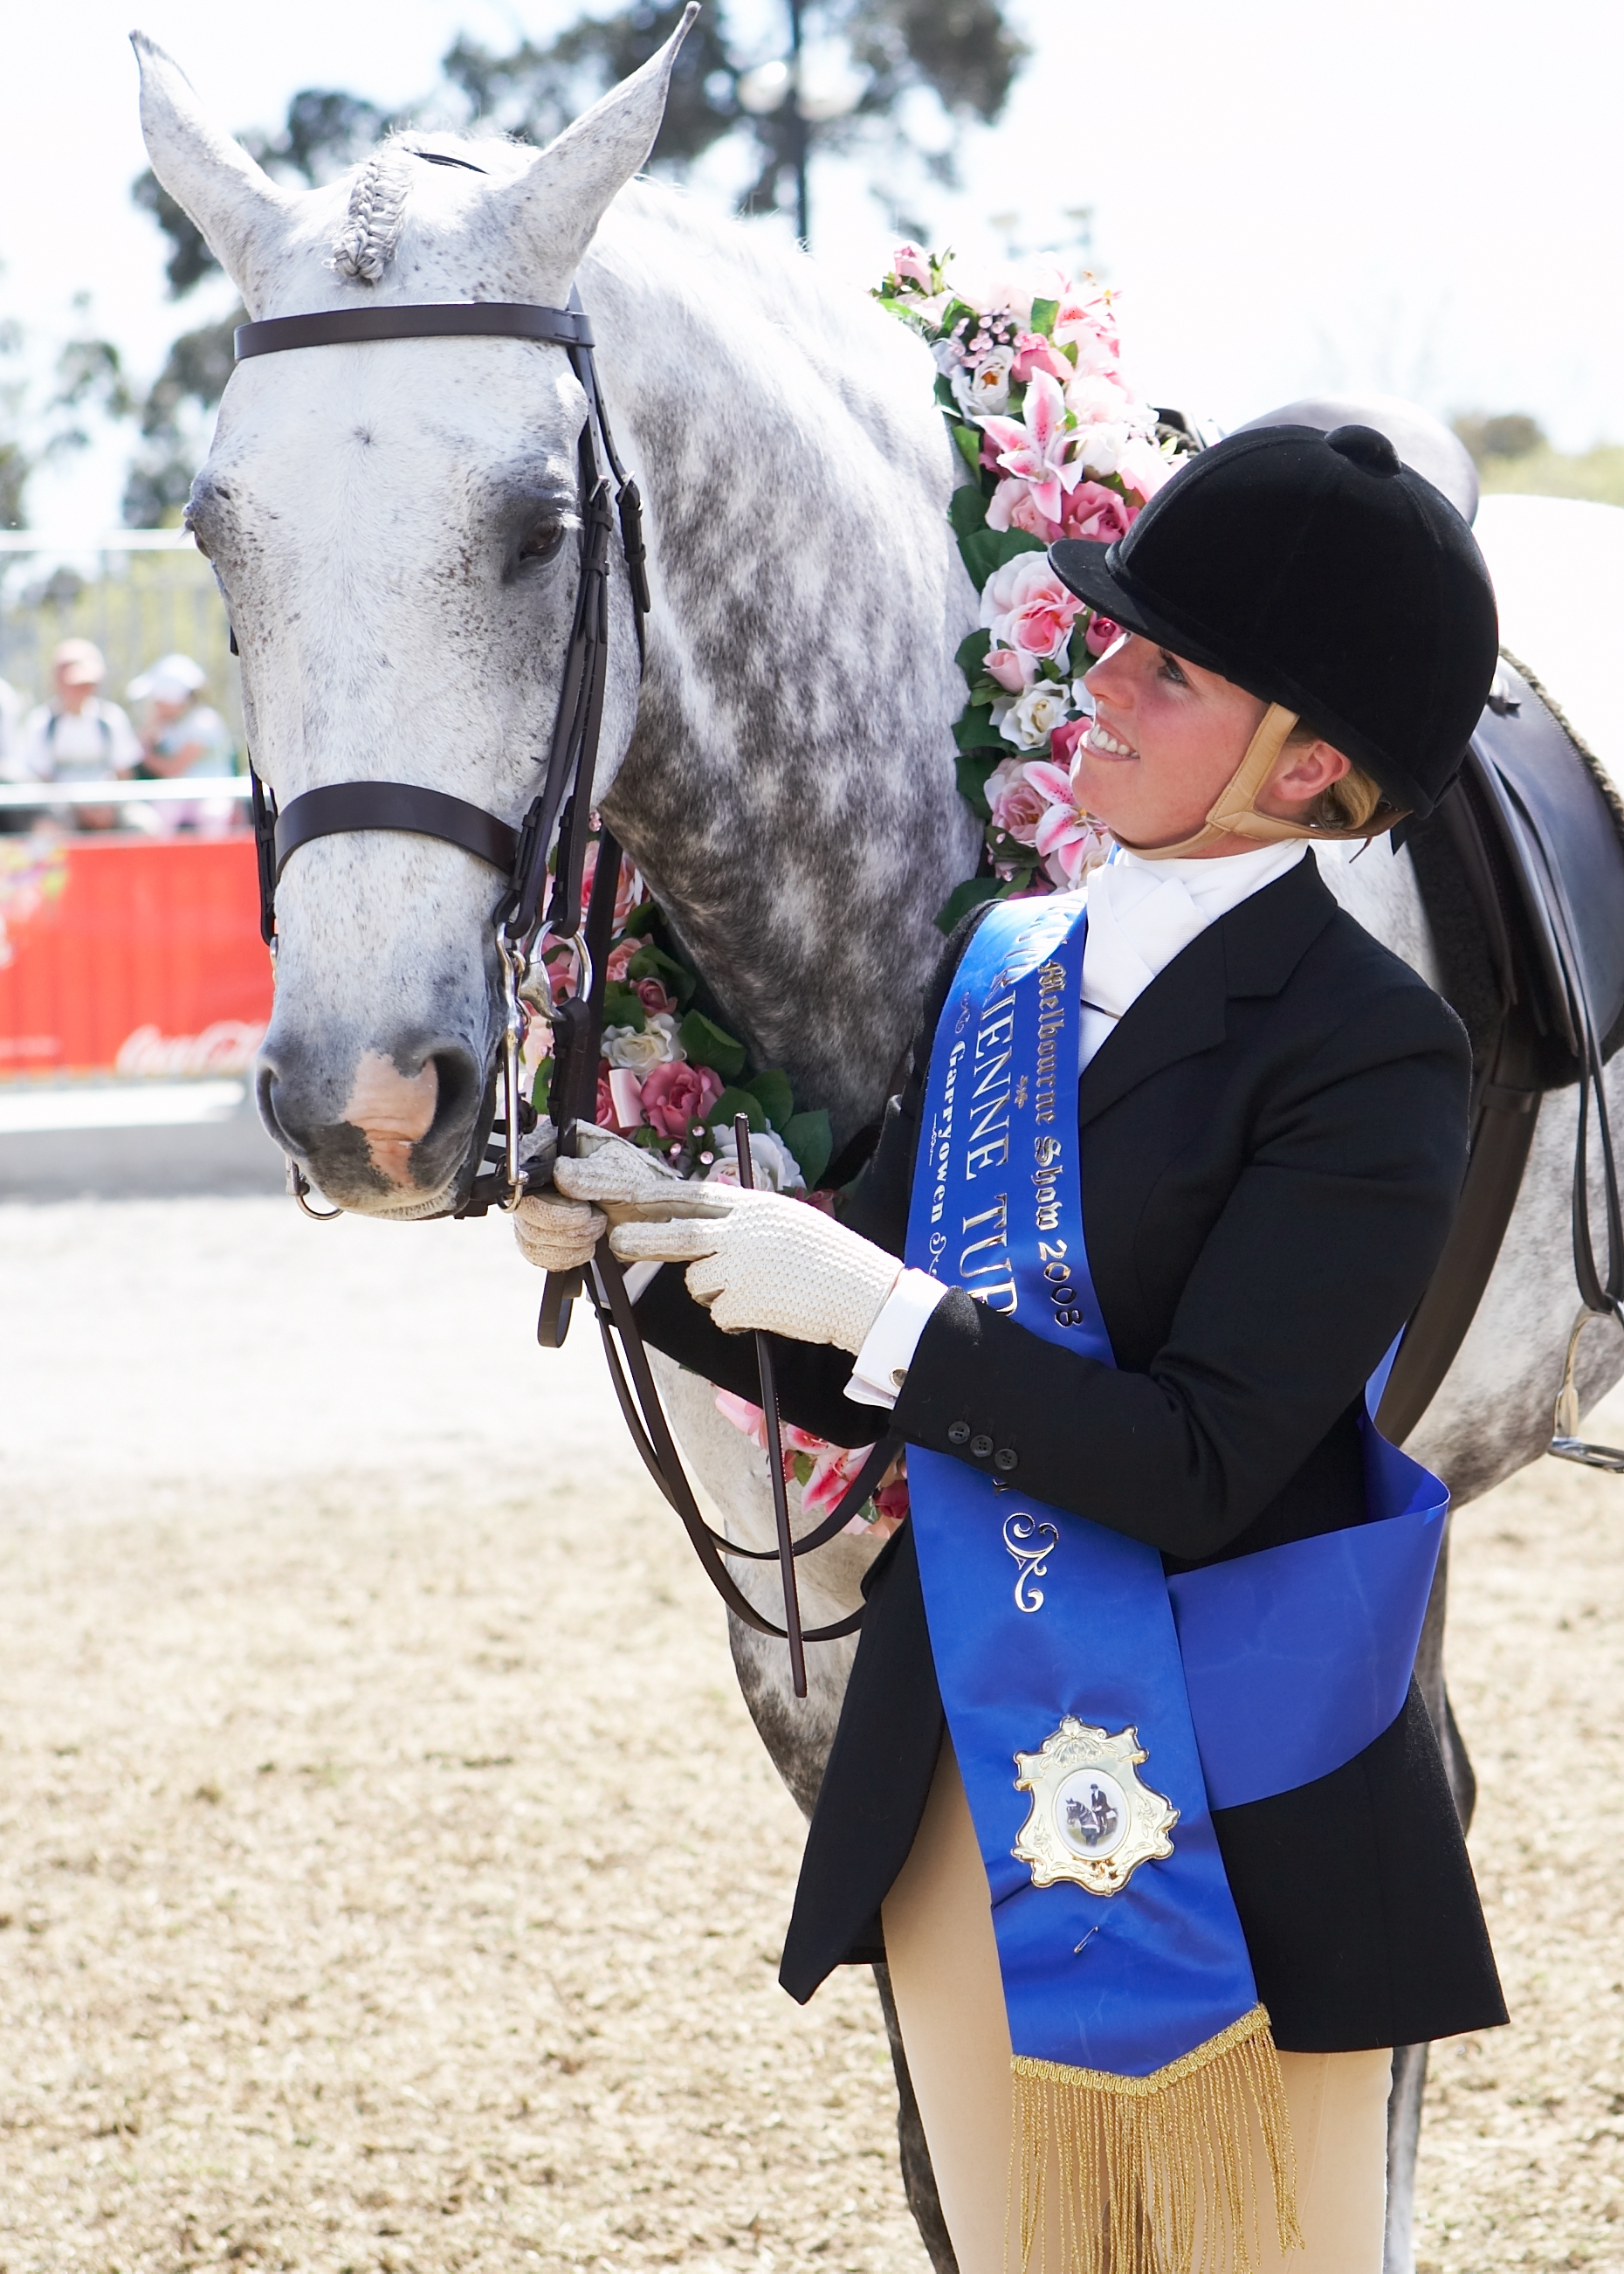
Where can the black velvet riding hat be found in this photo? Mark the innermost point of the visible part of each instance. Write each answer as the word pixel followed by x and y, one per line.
pixel 1319 572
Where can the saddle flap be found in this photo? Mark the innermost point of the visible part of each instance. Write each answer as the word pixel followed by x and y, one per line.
pixel 1561 835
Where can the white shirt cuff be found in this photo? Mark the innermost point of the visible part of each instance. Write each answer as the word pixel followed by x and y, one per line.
pixel 883 1363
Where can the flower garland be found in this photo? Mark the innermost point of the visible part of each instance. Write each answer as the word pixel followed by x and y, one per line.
pixel 1056 445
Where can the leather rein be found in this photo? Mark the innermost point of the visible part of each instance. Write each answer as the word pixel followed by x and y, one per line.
pixel 563 806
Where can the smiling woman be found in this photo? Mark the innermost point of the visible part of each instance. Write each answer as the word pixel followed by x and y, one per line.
pixel 1144 1360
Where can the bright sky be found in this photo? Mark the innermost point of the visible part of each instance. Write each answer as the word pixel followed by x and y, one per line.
pixel 1419 196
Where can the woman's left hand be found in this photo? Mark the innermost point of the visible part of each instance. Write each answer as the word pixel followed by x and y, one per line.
pixel 771 1264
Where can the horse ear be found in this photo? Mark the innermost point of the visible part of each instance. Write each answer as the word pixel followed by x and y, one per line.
pixel 239 209
pixel 560 200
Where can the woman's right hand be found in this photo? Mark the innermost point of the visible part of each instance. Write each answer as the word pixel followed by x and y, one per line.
pixel 556 1233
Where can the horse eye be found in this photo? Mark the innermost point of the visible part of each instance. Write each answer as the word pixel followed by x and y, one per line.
pixel 542 542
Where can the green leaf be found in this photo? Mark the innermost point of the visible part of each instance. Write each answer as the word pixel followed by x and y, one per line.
pixel 771 1089
pixel 540 1086
pixel 969 441
pixel 1043 315
pixel 975 731
pixel 972 771
pixel 651 962
pixel 810 1139
pixel 621 1008
pixel 738 1101
pixel 641 921
pixel 944 395
pixel 706 1045
pixel 966 510
pixel 970 894
pixel 971 654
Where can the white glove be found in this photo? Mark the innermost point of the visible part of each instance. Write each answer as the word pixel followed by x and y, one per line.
pixel 558 1227
pixel 556 1234
pixel 771 1263
pixel 631 1185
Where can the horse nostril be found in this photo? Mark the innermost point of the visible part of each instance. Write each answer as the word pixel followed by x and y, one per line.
pixel 459 1096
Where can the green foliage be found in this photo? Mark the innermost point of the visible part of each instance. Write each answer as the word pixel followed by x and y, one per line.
pixel 966 510
pixel 970 771
pixel 1043 315
pixel 621 1008
pixel 969 895
pixel 772 1093
pixel 971 653
pixel 974 730
pixel 652 962
pixel 731 1103
pixel 969 441
pixel 987 549
pixel 704 1044
pixel 810 1139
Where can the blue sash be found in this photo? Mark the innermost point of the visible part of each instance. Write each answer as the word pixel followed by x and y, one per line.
pixel 1242 1679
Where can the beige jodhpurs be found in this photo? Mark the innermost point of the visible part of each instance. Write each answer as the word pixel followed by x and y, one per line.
pixel 950 2003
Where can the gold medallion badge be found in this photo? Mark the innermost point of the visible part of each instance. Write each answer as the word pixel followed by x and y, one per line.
pixel 1092 1821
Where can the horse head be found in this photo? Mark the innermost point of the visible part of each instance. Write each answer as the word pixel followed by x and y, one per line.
pixel 393 528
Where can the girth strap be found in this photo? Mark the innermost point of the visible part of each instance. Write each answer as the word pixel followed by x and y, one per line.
pixel 338 807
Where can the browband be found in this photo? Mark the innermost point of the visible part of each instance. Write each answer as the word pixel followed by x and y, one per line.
pixel 435 320
pixel 339 806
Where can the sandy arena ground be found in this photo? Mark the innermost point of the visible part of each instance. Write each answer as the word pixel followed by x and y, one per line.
pixel 391 1880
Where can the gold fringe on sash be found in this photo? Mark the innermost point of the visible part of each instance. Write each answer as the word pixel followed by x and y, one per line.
pixel 1126 2175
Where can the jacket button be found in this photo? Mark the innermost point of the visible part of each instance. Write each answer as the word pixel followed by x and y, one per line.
pixel 1006 1458
pixel 957 1433
pixel 980 1447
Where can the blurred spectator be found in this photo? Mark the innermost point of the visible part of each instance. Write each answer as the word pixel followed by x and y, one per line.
pixel 181 735
pixel 11 720
pixel 76 736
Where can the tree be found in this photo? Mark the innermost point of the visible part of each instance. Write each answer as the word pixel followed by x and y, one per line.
pixel 843 83
pixel 39 428
pixel 849 81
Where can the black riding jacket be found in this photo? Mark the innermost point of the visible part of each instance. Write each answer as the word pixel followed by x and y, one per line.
pixel 1273 1140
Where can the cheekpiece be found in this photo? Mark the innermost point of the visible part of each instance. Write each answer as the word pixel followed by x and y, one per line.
pixel 1092 1821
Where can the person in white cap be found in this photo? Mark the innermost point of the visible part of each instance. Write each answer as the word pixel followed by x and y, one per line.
pixel 76 736
pixel 181 735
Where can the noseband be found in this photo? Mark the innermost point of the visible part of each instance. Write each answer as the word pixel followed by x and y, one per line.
pixel 564 801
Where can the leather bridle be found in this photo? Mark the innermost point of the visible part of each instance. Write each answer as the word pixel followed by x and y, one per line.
pixel 562 806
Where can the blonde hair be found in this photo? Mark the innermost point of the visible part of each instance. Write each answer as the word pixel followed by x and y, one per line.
pixel 1345 804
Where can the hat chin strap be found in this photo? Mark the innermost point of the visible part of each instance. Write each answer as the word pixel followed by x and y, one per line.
pixel 1233 812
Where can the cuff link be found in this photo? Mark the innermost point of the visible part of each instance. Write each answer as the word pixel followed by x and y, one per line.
pixel 899 1375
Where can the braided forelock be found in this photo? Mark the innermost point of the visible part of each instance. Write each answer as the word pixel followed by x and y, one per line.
pixel 365 245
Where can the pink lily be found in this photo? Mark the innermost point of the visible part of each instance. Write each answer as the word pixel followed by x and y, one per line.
pixel 1070 841
pixel 1036 448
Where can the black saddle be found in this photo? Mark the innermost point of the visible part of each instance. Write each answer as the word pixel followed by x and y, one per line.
pixel 1522 873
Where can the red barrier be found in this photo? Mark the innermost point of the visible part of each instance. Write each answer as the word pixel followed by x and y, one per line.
pixel 131 955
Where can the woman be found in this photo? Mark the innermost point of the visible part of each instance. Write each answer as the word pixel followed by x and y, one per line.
pixel 1129 1358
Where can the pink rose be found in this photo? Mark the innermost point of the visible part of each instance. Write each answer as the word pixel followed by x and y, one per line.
pixel 890 1508
pixel 910 266
pixel 602 1112
pixel 653 997
pixel 1026 606
pixel 1013 671
pixel 1094 511
pixel 676 1095
pixel 1033 353
pixel 1064 741
pixel 628 893
pixel 1101 633
pixel 1018 807
pixel 620 959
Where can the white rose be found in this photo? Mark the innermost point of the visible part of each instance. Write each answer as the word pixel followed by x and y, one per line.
pixel 983 390
pixel 775 1167
pixel 1033 717
pixel 657 1045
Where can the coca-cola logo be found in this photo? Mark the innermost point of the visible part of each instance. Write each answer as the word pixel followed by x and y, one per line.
pixel 227 1046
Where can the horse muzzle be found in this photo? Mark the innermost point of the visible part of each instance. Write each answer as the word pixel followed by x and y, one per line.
pixel 391 1134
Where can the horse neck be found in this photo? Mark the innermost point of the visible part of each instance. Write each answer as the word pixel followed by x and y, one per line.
pixel 789 789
